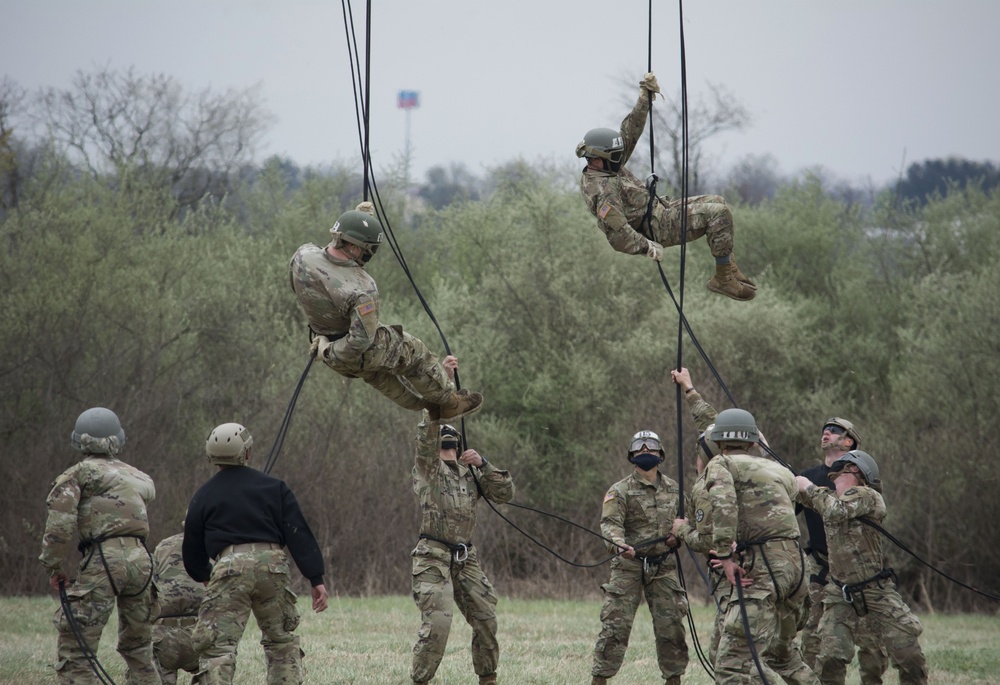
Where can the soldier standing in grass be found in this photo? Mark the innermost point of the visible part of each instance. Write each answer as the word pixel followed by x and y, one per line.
pixel 861 602
pixel 104 500
pixel 179 598
pixel 756 538
pixel 640 508
pixel 837 437
pixel 340 300
pixel 242 519
pixel 448 483
pixel 621 203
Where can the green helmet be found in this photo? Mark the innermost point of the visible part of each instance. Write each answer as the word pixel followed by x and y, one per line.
pixel 361 229
pixel 846 426
pixel 708 447
pixel 98 431
pixel 605 143
pixel 645 441
pixel 735 425
pixel 229 445
pixel 864 462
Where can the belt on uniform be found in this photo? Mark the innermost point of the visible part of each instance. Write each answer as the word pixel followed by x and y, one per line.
pixel 247 547
pixel 651 563
pixel 178 621
pixel 459 550
pixel 854 594
pixel 776 541
pixel 87 543
pixel 98 544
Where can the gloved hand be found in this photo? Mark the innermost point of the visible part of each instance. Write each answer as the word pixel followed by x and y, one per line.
pixel 366 207
pixel 320 345
pixel 649 84
pixel 654 250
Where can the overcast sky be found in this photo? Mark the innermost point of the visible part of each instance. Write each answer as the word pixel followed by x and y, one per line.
pixel 851 85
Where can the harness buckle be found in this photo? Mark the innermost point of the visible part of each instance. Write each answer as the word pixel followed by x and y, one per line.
pixel 460 553
pixel 846 592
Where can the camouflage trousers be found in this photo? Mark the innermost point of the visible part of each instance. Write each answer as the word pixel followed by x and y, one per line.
pixel 872 660
pixel 706 215
pixel 667 604
pixel 173 649
pixel 773 609
pixel 437 581
pixel 402 368
pixel 889 624
pixel 92 600
pixel 242 582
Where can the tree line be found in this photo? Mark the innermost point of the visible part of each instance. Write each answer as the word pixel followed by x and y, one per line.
pixel 176 313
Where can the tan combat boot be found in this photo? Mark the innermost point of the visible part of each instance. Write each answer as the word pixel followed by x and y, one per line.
pixel 461 403
pixel 742 277
pixel 725 283
pixel 488 679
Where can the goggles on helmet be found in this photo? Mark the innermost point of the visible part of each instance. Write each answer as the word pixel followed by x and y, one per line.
pixel 645 445
pixel 834 428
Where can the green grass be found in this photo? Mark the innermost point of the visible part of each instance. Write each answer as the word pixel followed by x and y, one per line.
pixel 368 642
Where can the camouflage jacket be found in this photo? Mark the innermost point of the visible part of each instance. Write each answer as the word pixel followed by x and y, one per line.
pixel 447 490
pixel 752 499
pixel 855 549
pixel 619 200
pixel 98 497
pixel 698 536
pixel 177 592
pixel 636 510
pixel 338 297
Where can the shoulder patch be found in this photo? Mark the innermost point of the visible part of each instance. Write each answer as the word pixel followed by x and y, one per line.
pixel 366 308
pixel 851 492
pixel 699 515
pixel 610 496
pixel 603 211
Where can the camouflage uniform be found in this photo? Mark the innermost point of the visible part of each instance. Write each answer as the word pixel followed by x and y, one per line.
pixel 872 661
pixel 179 598
pixel 633 512
pixel 448 497
pixel 340 300
pixel 103 500
pixel 751 499
pixel 876 608
pixel 619 201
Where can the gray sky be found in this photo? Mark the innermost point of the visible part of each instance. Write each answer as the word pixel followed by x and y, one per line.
pixel 850 85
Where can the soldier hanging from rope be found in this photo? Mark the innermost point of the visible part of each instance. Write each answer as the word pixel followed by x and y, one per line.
pixel 635 221
pixel 340 300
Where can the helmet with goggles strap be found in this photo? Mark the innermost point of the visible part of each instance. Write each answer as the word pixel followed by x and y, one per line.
pixel 866 465
pixel 451 439
pixel 645 441
pixel 735 425
pixel 842 426
pixel 603 143
pixel 358 228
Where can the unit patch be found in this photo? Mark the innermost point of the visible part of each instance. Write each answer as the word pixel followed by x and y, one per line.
pixel 699 515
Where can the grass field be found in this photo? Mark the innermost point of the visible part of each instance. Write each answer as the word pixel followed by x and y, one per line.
pixel 368 641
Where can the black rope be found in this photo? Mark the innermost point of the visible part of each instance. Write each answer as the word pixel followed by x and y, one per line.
pixel 703 659
pixel 746 627
pixel 868 522
pixel 74 626
pixel 286 421
pixel 107 570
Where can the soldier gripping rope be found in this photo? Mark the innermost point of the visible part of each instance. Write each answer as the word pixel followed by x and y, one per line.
pixel 861 602
pixel 341 302
pixel 242 520
pixel 448 482
pixel 639 508
pixel 635 221
pixel 104 500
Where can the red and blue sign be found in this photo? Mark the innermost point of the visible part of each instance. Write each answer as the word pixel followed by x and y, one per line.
pixel 408 99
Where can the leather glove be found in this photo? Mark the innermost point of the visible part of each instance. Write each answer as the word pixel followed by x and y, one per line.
pixel 649 84
pixel 654 250
pixel 366 207
pixel 320 345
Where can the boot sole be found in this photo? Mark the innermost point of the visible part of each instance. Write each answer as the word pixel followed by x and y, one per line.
pixel 450 417
pixel 753 293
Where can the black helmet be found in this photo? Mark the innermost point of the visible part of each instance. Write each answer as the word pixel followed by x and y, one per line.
pixel 361 229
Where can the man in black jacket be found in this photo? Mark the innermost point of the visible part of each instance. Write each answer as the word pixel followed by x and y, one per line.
pixel 242 519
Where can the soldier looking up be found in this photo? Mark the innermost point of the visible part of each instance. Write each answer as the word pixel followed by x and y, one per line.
pixel 104 500
pixel 446 567
pixel 621 202
pixel 242 519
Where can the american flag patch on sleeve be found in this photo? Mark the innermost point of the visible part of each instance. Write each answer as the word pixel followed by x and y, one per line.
pixel 603 211
pixel 366 308
pixel 610 496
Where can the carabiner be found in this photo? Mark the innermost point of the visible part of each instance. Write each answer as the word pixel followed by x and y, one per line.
pixel 460 555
